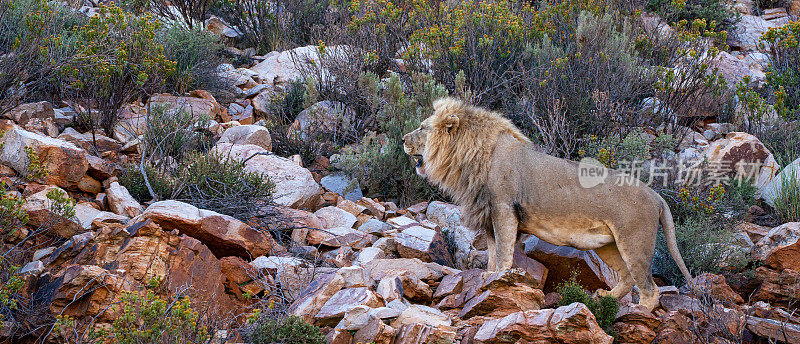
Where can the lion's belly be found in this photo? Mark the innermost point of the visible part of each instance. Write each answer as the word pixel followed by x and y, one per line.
pixel 580 233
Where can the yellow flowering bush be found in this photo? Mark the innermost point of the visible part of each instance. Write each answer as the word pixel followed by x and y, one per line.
pixel 783 74
pixel 117 59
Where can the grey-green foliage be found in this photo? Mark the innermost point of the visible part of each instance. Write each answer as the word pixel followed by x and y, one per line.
pixel 385 170
pixel 197 54
pixel 284 330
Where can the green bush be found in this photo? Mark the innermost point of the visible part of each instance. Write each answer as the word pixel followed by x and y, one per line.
pixel 117 59
pixel 783 74
pixel 787 202
pixel 197 53
pixel 284 330
pixel 25 69
pixel 131 178
pixel 634 147
pixel 274 25
pixel 604 309
pixel 717 11
pixel 704 220
pixel 379 163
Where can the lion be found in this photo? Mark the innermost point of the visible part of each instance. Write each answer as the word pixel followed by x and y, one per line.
pixel 505 187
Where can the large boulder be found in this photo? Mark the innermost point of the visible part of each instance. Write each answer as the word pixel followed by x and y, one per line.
pixel 568 324
pixel 248 134
pixel 322 117
pixel 23 113
pixel 203 105
pixel 294 185
pixel 223 234
pixel 316 295
pixel 43 212
pixel 780 248
pixel 333 217
pixel 742 155
pixel 64 164
pixel 285 66
pixel 734 69
pixel 341 184
pixel 563 261
pixel 771 190
pixel 90 142
pixel 749 30
pixel 121 202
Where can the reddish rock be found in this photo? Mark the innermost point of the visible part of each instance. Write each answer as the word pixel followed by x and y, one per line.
pixel 204 105
pixel 779 248
pixel 64 163
pixel 635 325
pixel 23 113
pixel 502 293
pixel 375 332
pixel 334 309
pixel 568 324
pixel 236 269
pixel 562 262
pixel 716 286
pixel 319 291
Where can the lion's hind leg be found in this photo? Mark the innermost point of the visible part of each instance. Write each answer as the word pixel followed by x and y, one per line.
pixel 638 256
pixel 610 255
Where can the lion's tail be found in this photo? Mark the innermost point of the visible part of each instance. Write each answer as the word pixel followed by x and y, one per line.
pixel 672 243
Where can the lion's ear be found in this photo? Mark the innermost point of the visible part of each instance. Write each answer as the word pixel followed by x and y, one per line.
pixel 450 122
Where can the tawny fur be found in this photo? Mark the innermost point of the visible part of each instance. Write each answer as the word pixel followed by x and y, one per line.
pixel 464 179
pixel 504 186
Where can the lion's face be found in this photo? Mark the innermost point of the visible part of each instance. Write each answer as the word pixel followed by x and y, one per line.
pixel 414 144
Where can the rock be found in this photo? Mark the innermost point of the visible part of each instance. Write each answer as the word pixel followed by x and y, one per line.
pixel 734 70
pixel 248 134
pixel 754 231
pixel 635 324
pixel 315 295
pixel 390 289
pixel 64 163
pixel 23 113
pixel 121 202
pixel 368 254
pixel 501 294
pixel 354 276
pixel 402 222
pixel 42 213
pixel 341 184
pixel 448 216
pixel 91 143
pixel 237 270
pixel 338 337
pixel 294 185
pixel 421 333
pixel 300 221
pixel 794 8
pixel 285 66
pixel 45 126
pixel 374 208
pixel 355 318
pixel 421 314
pixel 375 332
pixel 375 227
pixel 774 13
pixel 562 261
pixel 325 117
pixel 773 188
pixel 333 217
pixel 339 237
pixel 34 268
pixel 335 308
pixel 780 248
pixel 200 107
pixel 413 288
pixel 415 242
pixel 223 234
pixel 716 286
pixel 568 324
pixel 100 168
pixel 774 330
pixel 778 288
pixel 378 268
pixel 748 31
pixel 340 257
pixel 220 27
pixel 742 155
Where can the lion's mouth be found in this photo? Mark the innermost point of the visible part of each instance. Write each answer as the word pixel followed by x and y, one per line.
pixel 419 161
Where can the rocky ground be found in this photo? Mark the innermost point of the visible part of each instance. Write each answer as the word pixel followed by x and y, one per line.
pixel 363 269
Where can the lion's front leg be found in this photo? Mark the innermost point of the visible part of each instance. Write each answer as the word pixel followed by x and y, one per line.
pixel 505 236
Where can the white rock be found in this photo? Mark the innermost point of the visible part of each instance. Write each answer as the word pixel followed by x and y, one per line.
pixel 248 134
pixel 121 202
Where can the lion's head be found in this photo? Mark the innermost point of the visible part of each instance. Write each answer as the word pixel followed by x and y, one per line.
pixel 453 147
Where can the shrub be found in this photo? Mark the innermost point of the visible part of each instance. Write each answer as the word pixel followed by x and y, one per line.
pixel 213 182
pixel 25 25
pixel 783 141
pixel 787 202
pixel 133 180
pixel 704 218
pixel 604 309
pixel 634 147
pixel 270 25
pixel 379 163
pixel 286 330
pixel 718 11
pixel 117 59
pixel 783 74
pixel 191 13
pixel 196 53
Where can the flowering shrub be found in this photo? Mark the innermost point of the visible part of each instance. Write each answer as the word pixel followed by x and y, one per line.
pixel 783 74
pixel 117 58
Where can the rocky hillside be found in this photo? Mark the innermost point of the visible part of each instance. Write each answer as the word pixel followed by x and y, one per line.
pixel 274 204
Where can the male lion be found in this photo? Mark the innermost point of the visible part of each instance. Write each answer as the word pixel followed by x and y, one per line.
pixel 481 160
